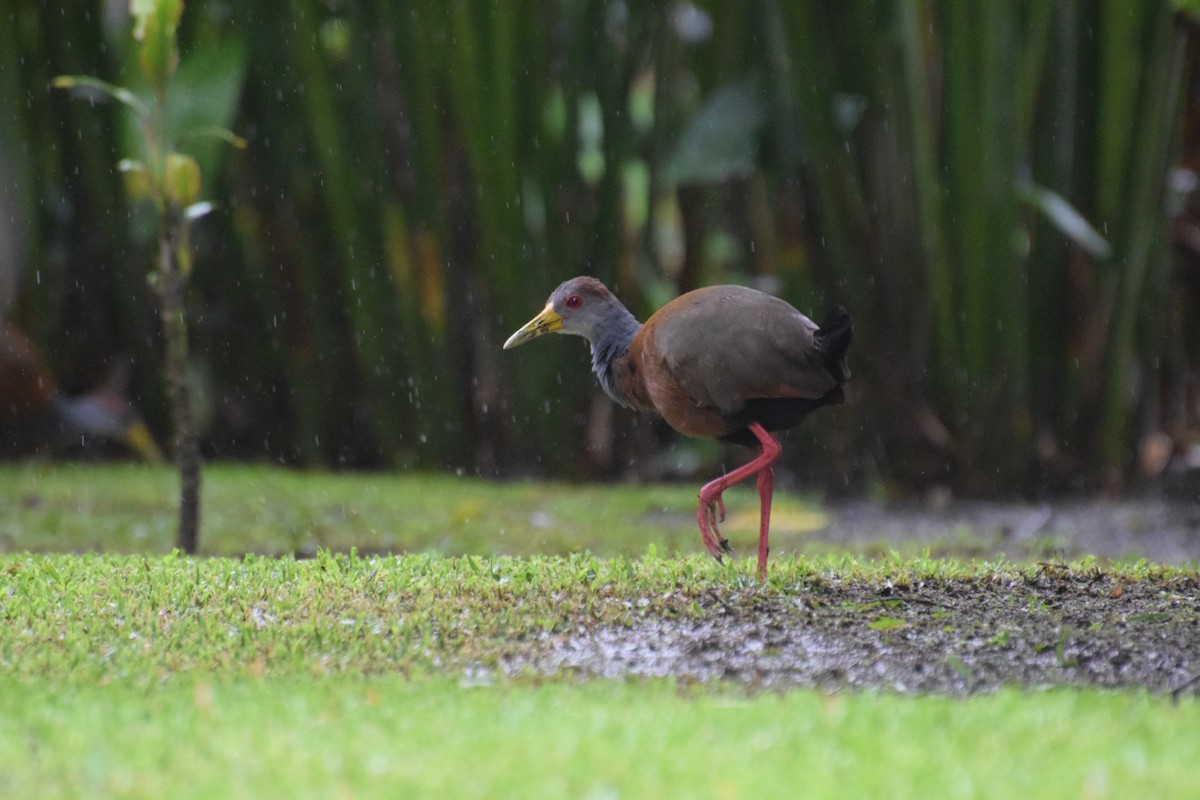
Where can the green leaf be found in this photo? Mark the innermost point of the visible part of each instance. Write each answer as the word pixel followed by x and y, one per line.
pixel 200 104
pixel 155 23
pixel 203 101
pixel 1066 218
pixel 722 140
pixel 118 93
pixel 220 134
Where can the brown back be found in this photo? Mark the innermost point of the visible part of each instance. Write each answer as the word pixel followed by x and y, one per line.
pixel 725 345
pixel 25 386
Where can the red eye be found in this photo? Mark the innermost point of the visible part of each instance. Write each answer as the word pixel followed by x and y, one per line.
pixel 574 301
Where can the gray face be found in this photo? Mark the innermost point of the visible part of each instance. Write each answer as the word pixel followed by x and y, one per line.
pixel 585 306
pixel 581 306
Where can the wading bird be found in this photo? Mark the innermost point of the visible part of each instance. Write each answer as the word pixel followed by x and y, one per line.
pixel 35 418
pixel 724 362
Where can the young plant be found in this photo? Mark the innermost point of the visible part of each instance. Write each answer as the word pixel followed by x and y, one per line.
pixel 170 180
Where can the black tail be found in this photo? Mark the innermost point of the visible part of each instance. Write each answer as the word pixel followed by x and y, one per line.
pixel 833 337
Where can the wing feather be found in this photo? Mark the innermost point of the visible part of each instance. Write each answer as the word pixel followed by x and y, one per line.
pixel 724 345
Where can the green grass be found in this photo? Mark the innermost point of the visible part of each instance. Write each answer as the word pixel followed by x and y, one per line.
pixel 131 509
pixel 105 617
pixel 168 676
pixel 389 737
pixel 159 675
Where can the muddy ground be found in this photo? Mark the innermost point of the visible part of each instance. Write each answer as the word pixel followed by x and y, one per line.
pixel 1047 626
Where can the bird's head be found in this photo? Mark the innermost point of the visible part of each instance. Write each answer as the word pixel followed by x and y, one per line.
pixel 581 306
pixel 106 414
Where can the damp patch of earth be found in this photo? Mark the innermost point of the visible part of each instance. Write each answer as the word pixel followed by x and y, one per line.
pixel 1051 627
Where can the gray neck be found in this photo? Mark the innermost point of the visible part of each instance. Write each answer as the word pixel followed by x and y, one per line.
pixel 95 414
pixel 610 345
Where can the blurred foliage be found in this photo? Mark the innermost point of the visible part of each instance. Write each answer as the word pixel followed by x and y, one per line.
pixel 984 186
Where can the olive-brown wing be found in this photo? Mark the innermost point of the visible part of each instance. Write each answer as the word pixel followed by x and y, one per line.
pixel 724 345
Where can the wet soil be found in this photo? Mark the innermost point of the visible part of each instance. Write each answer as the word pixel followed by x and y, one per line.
pixel 1047 627
pixel 1041 627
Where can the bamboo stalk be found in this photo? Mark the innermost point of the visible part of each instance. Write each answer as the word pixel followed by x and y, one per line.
pixel 927 185
pixel 1158 105
pixel 358 265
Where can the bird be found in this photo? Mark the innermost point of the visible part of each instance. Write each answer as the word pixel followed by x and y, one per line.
pixel 36 418
pixel 725 362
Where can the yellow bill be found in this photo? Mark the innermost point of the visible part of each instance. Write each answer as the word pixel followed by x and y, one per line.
pixel 139 439
pixel 546 322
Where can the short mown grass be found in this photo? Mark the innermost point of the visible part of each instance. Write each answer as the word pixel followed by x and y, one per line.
pixel 351 736
pixel 104 617
pixel 260 509
pixel 153 674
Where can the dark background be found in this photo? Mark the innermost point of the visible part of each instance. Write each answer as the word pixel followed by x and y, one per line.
pixel 1002 194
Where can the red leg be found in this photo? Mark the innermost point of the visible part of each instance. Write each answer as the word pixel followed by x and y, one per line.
pixel 766 484
pixel 711 501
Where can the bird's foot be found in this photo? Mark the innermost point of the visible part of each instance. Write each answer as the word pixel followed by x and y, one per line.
pixel 712 512
pixel 717 514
